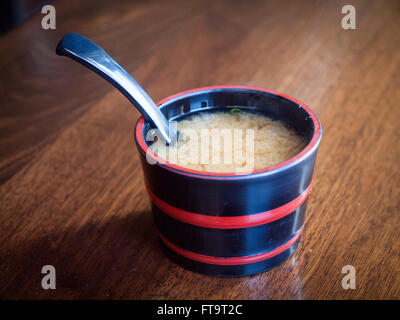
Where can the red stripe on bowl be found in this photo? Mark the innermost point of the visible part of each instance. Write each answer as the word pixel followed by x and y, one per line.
pixel 229 261
pixel 233 222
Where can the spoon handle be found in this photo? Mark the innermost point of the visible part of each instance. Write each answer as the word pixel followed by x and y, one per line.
pixel 96 59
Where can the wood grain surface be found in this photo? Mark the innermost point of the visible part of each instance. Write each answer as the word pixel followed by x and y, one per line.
pixel 72 192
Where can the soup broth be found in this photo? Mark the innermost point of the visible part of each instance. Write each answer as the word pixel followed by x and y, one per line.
pixel 235 141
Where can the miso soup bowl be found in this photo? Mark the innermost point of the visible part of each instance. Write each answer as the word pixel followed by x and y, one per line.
pixel 229 224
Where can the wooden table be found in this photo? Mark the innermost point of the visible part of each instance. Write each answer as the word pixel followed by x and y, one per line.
pixel 72 192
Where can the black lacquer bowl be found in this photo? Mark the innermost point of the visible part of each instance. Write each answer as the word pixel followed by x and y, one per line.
pixel 229 224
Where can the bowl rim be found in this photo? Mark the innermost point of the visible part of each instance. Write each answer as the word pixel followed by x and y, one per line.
pixel 308 149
